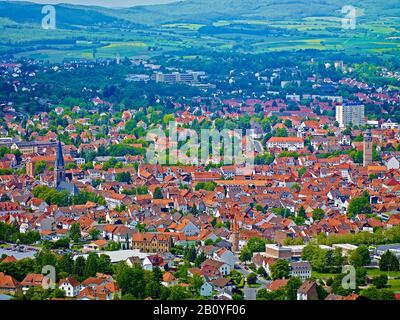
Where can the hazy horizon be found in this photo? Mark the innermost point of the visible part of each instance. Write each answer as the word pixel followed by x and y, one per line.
pixel 102 3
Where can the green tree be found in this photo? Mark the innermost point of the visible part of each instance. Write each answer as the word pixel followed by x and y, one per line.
pixel 319 261
pixel 337 287
pixel 190 254
pixel 251 278
pixel 113 246
pixel 94 233
pixel 70 165
pixel 131 280
pixel 201 257
pixel 265 158
pixel 57 293
pixel 280 132
pixel 91 266
pixel 359 205
pixel 45 257
pixel 195 284
pixel 261 271
pixel 178 293
pixel 302 212
pixel 357 156
pixel 65 264
pixel 380 281
pixel 302 171
pixel 157 274
pixel 208 186
pixel 19 269
pixel 280 269
pixel 237 297
pixel 389 262
pixel 104 264
pixel 123 177
pixel 291 288
pixel 335 260
pixel 360 257
pixel 152 289
pixel 318 214
pixel 256 245
pixel 157 193
pixel 40 166
pixel 79 268
pixel 245 255
pixel 279 294
pixel 377 294
pixel 75 232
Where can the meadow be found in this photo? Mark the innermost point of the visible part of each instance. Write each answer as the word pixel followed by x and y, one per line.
pixel 138 36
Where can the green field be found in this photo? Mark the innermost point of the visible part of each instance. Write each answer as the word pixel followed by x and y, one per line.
pixel 146 32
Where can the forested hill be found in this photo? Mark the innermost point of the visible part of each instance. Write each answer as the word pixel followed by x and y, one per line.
pixel 67 15
pixel 202 11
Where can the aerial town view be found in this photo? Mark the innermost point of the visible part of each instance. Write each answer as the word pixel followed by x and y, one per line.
pixel 177 150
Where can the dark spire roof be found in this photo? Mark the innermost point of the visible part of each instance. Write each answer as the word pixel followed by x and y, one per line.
pixel 367 135
pixel 59 156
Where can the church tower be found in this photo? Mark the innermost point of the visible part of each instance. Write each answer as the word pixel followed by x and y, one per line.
pixel 367 148
pixel 235 235
pixel 59 170
pixel 29 167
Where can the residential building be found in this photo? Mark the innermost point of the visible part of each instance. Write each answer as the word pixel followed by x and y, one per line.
pixel 71 286
pixel 8 285
pixel 300 269
pixel 350 114
pixel 151 242
pixel 289 143
pixel 307 291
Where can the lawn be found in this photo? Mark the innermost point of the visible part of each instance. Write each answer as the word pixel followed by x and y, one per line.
pixel 394 284
pixel 377 272
pixel 318 275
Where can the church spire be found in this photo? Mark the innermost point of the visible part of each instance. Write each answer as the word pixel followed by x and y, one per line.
pixel 59 155
pixel 59 170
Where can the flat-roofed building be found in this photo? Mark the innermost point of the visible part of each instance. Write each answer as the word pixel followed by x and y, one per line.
pixel 277 251
pixel 350 114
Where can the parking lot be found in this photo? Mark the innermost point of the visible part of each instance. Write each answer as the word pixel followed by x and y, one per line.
pixel 19 252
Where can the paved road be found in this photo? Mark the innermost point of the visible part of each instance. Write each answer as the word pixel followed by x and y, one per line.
pixel 251 293
pixel 18 255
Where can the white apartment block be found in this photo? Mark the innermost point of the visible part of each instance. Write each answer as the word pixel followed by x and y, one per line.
pixel 289 143
pixel 350 113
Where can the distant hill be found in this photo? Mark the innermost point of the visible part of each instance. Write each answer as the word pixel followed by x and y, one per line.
pixel 201 11
pixel 208 11
pixel 67 15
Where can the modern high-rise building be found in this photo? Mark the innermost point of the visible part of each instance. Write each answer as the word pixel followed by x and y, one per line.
pixel 367 150
pixel 350 114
